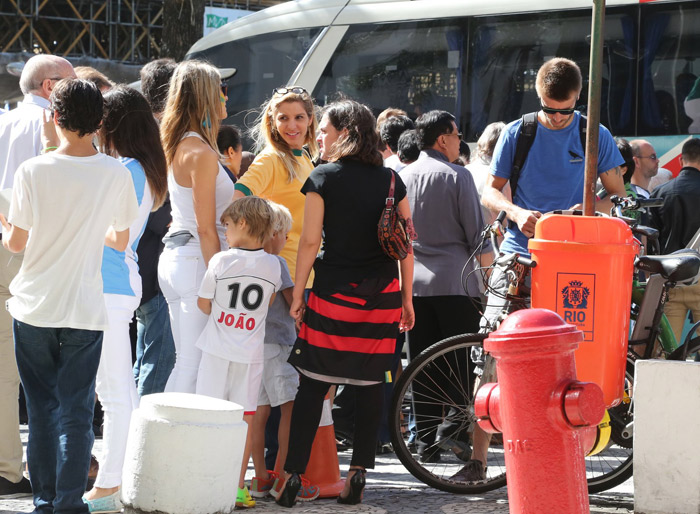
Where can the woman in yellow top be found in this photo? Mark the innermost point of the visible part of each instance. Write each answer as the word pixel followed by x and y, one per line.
pixel 287 124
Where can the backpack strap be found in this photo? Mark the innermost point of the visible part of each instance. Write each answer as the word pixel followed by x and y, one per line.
pixel 526 136
pixel 582 128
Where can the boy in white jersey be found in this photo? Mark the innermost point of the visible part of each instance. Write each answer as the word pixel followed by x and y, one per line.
pixel 280 379
pixel 236 291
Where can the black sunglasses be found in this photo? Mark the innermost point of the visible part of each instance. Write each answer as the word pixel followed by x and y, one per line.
pixel 565 112
pixel 284 90
pixel 224 88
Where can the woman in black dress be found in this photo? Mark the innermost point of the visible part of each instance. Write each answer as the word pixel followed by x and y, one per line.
pixel 357 305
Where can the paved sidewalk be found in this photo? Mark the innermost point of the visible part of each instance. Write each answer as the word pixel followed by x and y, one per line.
pixel 392 490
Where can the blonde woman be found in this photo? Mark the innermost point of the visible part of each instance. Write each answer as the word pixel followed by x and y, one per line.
pixel 199 190
pixel 287 124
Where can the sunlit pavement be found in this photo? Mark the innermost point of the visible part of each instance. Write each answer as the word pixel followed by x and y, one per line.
pixel 391 489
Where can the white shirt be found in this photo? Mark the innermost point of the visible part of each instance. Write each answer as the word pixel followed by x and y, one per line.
pixel 394 163
pixel 240 284
pixel 67 204
pixel 20 136
pixel 182 202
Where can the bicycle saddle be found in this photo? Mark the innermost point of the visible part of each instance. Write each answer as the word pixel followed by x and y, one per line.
pixel 675 267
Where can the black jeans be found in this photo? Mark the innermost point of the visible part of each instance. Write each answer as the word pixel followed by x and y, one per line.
pixel 437 318
pixel 306 416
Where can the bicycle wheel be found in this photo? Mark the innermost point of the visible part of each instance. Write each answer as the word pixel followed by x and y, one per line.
pixel 435 391
pixel 422 382
pixel 613 465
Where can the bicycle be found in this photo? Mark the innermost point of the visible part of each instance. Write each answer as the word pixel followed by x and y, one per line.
pixel 447 361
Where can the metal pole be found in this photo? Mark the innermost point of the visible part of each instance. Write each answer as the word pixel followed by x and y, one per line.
pixel 594 83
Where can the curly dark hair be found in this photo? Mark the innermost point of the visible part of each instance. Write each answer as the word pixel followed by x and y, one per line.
pixel 130 130
pixel 408 149
pixel 361 142
pixel 77 106
pixel 155 82
pixel 393 128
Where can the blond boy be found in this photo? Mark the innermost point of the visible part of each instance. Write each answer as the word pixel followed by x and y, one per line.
pixel 280 380
pixel 237 289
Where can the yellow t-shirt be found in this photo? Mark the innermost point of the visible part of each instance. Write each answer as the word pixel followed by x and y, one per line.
pixel 268 178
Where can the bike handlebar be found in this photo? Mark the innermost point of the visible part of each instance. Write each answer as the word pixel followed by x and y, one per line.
pixel 628 203
pixel 497 229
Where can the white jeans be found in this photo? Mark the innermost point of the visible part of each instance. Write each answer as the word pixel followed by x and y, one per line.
pixel 180 273
pixel 116 388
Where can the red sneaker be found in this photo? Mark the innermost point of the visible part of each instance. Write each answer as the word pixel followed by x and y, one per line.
pixel 261 487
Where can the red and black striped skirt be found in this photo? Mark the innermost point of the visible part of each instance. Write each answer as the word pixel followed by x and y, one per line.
pixel 351 332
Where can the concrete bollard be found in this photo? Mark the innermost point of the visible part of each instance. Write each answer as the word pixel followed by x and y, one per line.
pixel 183 455
pixel 666 420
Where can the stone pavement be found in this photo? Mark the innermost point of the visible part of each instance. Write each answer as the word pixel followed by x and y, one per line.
pixel 392 490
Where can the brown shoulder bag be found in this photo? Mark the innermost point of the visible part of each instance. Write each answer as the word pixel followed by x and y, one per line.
pixel 394 231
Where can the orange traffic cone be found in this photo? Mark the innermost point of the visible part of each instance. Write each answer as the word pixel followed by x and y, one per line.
pixel 323 469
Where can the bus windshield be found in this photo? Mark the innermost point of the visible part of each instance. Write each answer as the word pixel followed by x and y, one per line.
pixel 262 63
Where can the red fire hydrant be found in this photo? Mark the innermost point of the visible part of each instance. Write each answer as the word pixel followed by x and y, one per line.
pixel 542 412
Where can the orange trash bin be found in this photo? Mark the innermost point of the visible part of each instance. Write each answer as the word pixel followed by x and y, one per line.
pixel 585 266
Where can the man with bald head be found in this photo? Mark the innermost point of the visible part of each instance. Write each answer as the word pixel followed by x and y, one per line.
pixel 646 166
pixel 20 139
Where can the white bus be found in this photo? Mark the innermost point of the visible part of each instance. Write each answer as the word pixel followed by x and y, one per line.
pixel 474 58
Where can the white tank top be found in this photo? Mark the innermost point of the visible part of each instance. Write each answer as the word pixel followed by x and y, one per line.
pixel 182 202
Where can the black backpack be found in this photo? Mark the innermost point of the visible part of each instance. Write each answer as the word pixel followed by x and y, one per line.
pixel 526 136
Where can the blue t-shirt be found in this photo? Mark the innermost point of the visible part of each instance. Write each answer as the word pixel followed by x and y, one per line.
pixel 119 269
pixel 553 174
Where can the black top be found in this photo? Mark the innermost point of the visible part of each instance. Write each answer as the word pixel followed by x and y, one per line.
pixel 679 217
pixel 149 249
pixel 354 195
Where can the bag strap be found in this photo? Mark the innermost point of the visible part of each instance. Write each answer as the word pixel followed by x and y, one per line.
pixel 528 129
pixel 390 197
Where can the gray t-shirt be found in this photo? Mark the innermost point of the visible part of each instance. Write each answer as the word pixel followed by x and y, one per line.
pixel 279 325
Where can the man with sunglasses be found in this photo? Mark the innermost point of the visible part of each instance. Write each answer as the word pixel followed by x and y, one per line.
pixel 20 139
pixel 552 175
pixel 551 178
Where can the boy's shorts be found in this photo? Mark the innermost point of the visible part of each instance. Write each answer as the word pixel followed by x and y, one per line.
pixel 236 382
pixel 280 380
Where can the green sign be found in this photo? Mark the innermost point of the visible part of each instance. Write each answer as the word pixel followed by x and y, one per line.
pixel 214 21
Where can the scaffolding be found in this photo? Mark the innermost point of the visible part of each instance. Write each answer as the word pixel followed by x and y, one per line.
pixel 125 31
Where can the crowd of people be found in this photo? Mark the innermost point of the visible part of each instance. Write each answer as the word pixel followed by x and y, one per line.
pixel 254 278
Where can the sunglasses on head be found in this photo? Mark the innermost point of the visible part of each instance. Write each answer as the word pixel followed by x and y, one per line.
pixel 549 110
pixel 284 90
pixel 224 88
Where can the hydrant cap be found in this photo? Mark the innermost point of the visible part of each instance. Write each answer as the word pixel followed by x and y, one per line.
pixel 536 324
pixel 584 404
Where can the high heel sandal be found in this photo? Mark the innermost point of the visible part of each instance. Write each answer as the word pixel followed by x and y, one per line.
pixel 288 496
pixel 357 485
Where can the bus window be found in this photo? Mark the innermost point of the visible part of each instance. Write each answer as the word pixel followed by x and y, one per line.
pixel 506 51
pixel 414 66
pixel 262 63
pixel 669 68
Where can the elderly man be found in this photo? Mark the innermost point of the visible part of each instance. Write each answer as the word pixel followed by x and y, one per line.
pixel 20 139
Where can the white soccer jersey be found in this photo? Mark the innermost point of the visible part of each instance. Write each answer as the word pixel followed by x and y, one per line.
pixel 240 284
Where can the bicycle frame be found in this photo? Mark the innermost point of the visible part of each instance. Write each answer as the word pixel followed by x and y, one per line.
pixel 650 321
